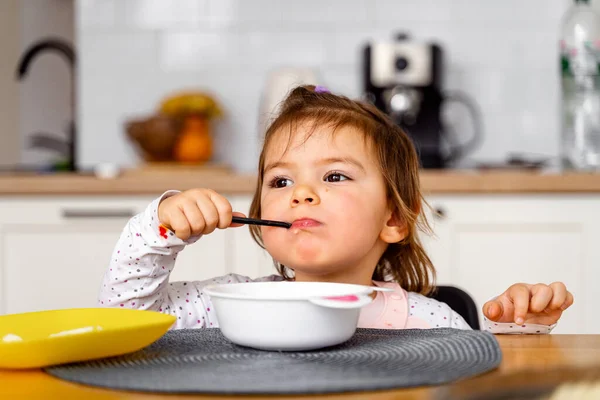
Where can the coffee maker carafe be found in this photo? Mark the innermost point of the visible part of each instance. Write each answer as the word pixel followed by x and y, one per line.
pixel 403 78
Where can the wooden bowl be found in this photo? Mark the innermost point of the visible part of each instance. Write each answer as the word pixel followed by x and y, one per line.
pixel 154 137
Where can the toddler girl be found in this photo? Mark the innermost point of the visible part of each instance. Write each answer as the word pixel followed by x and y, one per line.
pixel 347 179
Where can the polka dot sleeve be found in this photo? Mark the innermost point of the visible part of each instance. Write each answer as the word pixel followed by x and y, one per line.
pixel 139 269
pixel 514 329
pixel 433 313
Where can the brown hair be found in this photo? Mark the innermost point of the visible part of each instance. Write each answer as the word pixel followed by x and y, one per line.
pixel 405 262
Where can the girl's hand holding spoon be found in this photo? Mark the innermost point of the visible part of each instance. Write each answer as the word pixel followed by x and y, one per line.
pixel 201 211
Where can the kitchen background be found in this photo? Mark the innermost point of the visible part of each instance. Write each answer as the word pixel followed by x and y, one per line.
pixel 131 54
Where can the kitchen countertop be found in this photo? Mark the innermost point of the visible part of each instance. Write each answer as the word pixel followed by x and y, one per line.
pixel 151 182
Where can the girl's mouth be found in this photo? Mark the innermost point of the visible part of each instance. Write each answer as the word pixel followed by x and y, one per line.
pixel 305 223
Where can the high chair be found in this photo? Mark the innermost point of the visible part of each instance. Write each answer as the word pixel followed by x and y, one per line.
pixel 460 301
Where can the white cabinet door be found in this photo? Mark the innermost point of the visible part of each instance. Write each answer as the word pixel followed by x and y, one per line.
pixel 53 252
pixel 54 266
pixel 207 258
pixel 437 242
pixel 246 257
pixel 495 241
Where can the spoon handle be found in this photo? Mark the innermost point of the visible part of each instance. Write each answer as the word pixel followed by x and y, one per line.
pixel 264 222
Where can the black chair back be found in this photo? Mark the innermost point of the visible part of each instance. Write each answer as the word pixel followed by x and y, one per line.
pixel 460 301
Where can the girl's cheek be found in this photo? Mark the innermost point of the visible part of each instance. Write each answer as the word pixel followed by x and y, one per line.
pixel 348 201
pixel 270 238
pixel 268 207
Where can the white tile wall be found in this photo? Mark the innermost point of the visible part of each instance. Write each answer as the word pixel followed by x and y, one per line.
pixel 135 52
pixel 148 14
pixel 96 13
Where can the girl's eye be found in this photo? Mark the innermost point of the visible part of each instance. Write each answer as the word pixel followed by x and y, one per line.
pixel 280 182
pixel 336 177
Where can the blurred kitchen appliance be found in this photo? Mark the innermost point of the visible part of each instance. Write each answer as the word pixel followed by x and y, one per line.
pixel 403 78
pixel 279 83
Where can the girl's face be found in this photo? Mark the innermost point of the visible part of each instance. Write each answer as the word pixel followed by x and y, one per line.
pixel 329 187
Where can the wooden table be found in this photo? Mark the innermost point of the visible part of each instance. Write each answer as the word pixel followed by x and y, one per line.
pixel 533 353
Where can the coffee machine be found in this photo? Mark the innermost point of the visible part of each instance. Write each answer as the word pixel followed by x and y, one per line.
pixel 403 78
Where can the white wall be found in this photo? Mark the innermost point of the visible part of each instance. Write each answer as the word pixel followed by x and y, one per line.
pixel 134 52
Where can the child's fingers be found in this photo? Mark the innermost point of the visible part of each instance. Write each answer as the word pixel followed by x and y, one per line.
pixel 559 295
pixel 568 303
pixel 237 214
pixel 541 295
pixel 493 310
pixel 519 296
pixel 224 210
pixel 179 224
pixel 209 212
pixel 194 217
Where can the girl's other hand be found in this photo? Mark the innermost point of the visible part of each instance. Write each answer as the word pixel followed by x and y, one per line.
pixel 534 304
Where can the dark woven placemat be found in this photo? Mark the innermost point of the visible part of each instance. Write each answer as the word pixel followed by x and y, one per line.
pixel 204 361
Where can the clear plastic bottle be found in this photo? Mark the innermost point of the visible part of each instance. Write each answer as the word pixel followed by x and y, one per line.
pixel 580 63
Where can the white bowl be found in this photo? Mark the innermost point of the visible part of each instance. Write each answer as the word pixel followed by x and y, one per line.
pixel 288 316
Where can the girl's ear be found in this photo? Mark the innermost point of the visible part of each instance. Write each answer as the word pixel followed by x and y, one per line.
pixel 394 229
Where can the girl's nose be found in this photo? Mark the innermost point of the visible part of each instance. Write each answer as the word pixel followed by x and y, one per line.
pixel 304 195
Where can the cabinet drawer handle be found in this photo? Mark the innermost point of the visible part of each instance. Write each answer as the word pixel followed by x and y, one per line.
pixel 75 214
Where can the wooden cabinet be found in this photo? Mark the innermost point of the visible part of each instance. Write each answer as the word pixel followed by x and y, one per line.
pixel 54 251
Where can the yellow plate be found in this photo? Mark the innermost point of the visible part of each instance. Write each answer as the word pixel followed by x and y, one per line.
pixel 44 338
